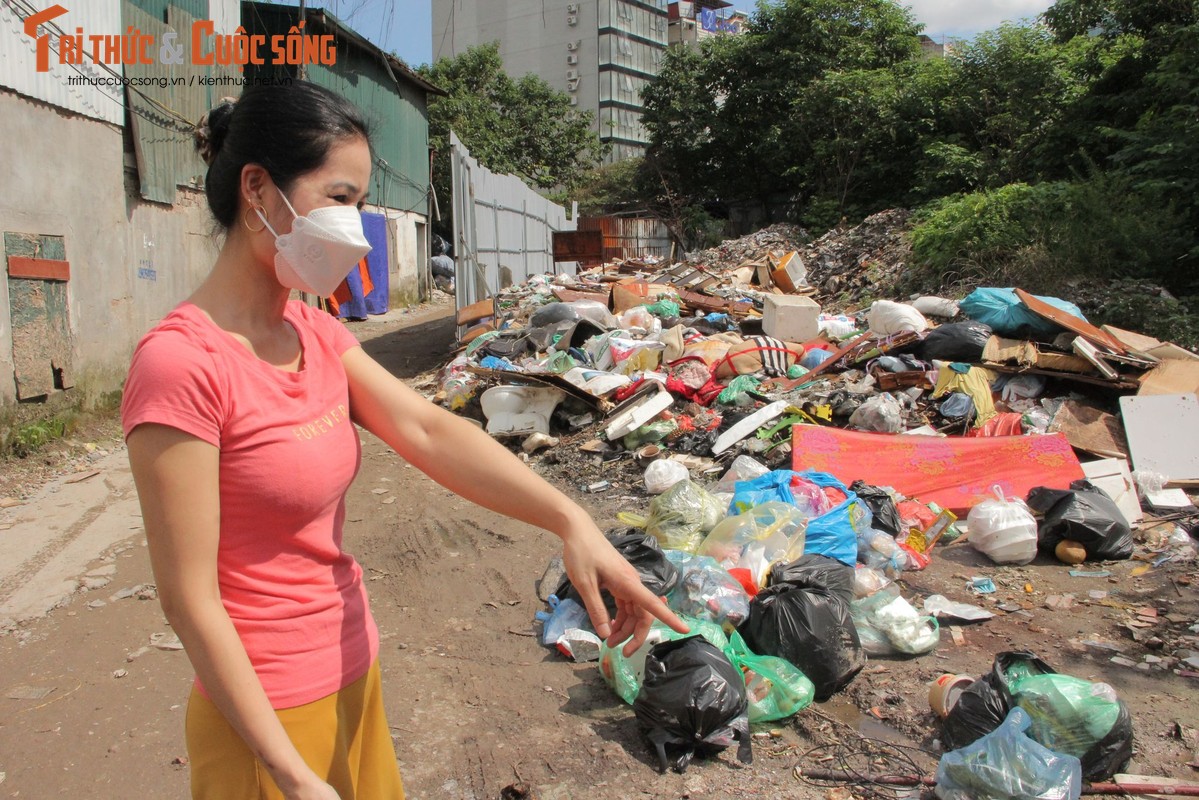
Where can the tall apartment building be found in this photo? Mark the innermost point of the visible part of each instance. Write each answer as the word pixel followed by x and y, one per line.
pixel 601 52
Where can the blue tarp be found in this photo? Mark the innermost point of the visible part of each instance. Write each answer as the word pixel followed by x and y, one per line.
pixel 375 227
pixel 1002 311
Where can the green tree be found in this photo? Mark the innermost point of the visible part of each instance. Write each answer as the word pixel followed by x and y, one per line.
pixel 522 126
pixel 721 117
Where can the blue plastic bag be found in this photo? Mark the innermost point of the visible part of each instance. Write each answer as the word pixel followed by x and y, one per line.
pixel 779 486
pixel 835 533
pixel 566 614
pixel 1007 765
pixel 1002 311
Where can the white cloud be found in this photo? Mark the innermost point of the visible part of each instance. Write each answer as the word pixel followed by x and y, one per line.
pixel 968 17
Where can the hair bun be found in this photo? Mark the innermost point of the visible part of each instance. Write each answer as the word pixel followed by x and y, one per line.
pixel 211 129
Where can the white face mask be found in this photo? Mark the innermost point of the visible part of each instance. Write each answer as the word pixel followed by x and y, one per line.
pixel 321 249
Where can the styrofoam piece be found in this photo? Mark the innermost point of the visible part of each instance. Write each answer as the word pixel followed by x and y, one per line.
pixel 632 418
pixel 748 425
pixel 790 318
pixel 1112 476
pixel 1163 434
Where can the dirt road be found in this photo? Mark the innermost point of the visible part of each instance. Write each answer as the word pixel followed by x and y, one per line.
pixel 92 706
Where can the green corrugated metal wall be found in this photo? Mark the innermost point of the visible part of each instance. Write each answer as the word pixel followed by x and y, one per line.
pixel 166 155
pixel 165 152
pixel 395 109
pixel 399 127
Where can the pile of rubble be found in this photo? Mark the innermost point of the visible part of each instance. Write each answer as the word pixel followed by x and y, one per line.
pixel 781 237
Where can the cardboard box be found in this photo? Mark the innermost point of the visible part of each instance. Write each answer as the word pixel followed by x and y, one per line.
pixel 790 317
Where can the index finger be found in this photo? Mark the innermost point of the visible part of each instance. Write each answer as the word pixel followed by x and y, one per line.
pixel 655 605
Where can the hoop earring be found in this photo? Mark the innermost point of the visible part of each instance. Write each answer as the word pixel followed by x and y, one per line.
pixel 245 221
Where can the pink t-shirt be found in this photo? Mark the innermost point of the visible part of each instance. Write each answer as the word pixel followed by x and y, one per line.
pixel 288 453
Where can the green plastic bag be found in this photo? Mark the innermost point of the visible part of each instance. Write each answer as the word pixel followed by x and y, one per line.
pixel 732 394
pixel 1069 715
pixel 624 675
pixel 664 308
pixel 683 515
pixel 775 687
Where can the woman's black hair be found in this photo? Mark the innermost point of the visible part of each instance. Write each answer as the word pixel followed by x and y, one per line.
pixel 287 129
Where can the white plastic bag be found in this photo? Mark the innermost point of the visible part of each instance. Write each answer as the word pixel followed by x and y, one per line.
pixel 660 475
pixel 1003 529
pixel 936 306
pixel 881 414
pixel 887 318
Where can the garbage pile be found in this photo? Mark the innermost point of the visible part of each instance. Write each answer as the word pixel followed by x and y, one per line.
pixel 795 463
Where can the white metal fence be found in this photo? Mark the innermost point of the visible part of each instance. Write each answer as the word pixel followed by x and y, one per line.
pixel 502 229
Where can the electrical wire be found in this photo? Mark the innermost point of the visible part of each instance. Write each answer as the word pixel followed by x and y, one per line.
pixel 864 763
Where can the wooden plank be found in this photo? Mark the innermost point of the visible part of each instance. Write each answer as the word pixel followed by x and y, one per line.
pixel 571 295
pixel 704 302
pixel 45 269
pixel 476 311
pixel 1071 322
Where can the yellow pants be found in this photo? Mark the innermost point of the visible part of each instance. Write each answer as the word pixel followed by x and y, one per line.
pixel 344 738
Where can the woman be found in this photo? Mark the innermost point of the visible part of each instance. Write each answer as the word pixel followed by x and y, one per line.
pixel 238 412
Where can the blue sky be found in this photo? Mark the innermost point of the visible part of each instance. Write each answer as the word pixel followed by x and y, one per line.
pixel 405 26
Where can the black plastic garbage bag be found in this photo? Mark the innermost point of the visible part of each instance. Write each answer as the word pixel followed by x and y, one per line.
pixel 886 515
pixel 811 627
pixel 957 341
pixel 692 703
pixel 815 569
pixel 985 703
pixel 1085 514
pixel 980 709
pixel 645 554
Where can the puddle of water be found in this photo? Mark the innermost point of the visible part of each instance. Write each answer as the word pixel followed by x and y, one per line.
pixel 842 710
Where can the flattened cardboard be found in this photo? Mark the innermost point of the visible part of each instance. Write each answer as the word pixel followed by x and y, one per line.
pixel 1169 351
pixel 1138 342
pixel 1090 429
pixel 1171 377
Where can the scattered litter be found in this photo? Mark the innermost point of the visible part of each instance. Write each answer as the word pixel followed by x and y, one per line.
pixel 982 585
pixel 166 641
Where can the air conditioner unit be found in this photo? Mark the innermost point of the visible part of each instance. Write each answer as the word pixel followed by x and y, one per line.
pixel 574 101
pixel 572 8
pixel 572 20
pixel 572 59
pixel 572 85
pixel 574 45
pixel 572 74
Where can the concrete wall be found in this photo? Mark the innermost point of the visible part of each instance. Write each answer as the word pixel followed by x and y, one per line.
pixel 131 261
pixel 408 233
pixel 66 176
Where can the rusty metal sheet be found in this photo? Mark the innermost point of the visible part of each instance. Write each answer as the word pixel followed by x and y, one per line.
pixel 585 247
pixel 1071 323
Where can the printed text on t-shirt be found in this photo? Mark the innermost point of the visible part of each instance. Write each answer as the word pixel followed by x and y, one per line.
pixel 321 425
